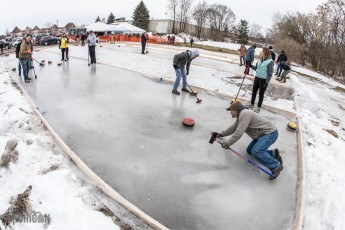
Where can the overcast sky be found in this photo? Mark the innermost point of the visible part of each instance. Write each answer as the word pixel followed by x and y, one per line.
pixel 40 12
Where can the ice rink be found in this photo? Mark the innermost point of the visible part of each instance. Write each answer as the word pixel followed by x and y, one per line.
pixel 127 128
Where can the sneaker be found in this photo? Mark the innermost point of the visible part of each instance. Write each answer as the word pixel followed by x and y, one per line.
pixel 175 92
pixel 257 110
pixel 249 105
pixel 27 81
pixel 185 90
pixel 276 172
pixel 278 157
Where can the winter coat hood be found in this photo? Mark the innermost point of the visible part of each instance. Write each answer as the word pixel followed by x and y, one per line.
pixel 193 54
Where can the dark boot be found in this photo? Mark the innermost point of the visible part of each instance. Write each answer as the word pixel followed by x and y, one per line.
pixel 175 92
pixel 276 172
pixel 277 156
pixel 185 90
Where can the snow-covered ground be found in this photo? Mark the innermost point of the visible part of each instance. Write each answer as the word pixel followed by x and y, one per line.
pixel 59 190
pixel 320 108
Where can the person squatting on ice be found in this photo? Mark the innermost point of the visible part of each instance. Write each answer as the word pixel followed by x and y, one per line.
pixel 24 57
pixel 287 69
pixel 63 45
pixel 264 70
pixel 181 64
pixel 91 41
pixel 263 133
pixel 281 58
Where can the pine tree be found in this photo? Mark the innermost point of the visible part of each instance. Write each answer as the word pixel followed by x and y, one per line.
pixel 242 31
pixel 141 16
pixel 98 19
pixel 111 18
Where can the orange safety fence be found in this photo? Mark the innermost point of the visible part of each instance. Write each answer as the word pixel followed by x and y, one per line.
pixel 126 38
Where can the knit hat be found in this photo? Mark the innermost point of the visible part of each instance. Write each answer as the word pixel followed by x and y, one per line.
pixel 235 105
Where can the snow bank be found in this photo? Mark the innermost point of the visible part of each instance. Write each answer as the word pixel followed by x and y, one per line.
pixel 58 189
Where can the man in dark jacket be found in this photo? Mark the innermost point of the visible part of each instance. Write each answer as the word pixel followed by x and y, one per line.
pixel 83 39
pixel 249 58
pixel 17 56
pixel 143 42
pixel 263 132
pixel 181 65
pixel 281 58
pixel 273 54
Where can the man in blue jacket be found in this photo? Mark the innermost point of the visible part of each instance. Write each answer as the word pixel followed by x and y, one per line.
pixel 250 58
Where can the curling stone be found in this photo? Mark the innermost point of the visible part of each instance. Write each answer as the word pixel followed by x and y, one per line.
pixel 50 62
pixel 14 69
pixel 59 63
pixel 43 61
pixel 188 122
pixel 292 126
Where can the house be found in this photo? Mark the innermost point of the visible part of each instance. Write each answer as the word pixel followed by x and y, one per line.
pixel 35 30
pixel 16 32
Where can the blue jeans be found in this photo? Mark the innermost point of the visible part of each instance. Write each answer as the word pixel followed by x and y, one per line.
pixel 180 73
pixel 258 148
pixel 26 67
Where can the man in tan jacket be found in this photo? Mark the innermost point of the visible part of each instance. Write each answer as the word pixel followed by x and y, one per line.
pixel 24 57
pixel 242 51
pixel 263 133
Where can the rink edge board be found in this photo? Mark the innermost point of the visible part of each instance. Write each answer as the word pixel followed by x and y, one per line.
pixel 84 168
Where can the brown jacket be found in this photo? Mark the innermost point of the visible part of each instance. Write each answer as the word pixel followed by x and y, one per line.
pixel 243 51
pixel 23 52
pixel 250 123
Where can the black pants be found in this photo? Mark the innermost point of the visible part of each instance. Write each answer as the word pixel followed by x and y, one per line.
pixel 143 46
pixel 92 52
pixel 63 51
pixel 248 63
pixel 258 85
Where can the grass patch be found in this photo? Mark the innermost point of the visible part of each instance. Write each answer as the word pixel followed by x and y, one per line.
pixel 339 89
pixel 209 48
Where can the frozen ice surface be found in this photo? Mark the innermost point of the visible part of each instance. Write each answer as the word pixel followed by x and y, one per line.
pixel 128 129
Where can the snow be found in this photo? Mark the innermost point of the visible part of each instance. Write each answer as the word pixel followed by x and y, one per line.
pixel 64 194
pixel 231 46
pixel 319 107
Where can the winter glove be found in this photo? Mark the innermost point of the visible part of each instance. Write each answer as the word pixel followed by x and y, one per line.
pixel 265 85
pixel 175 66
pixel 219 135
pixel 187 72
pixel 225 145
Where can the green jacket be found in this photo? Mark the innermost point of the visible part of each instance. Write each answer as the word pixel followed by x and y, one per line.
pixel 250 123
pixel 23 52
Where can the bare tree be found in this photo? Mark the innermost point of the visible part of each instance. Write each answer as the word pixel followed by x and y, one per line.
pixel 319 37
pixel 200 14
pixel 48 25
pixel 172 6
pixel 221 18
pixel 184 13
pixel 255 30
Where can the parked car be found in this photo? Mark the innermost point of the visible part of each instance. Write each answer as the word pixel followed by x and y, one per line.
pixel 16 41
pixel 5 44
pixel 49 40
